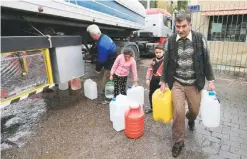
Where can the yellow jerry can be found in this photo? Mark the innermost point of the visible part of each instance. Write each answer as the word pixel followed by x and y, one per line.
pixel 162 105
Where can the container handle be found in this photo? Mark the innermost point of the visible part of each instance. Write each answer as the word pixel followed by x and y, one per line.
pixel 163 93
pixel 218 99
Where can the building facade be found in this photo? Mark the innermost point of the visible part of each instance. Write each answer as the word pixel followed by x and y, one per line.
pixel 224 24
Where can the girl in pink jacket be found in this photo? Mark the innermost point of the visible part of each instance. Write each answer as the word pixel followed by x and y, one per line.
pixel 120 71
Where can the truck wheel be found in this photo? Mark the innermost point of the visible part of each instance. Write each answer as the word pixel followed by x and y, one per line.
pixel 137 53
pixel 131 45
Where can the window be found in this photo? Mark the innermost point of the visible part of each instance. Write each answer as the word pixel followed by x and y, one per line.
pixel 167 22
pixel 228 28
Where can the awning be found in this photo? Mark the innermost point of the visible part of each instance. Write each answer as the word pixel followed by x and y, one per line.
pixel 225 12
pixel 158 10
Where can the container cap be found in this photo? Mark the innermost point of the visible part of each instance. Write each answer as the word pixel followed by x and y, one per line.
pixel 129 86
pixel 113 99
pixel 211 93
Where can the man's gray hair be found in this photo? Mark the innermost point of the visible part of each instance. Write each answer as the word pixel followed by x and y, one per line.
pixel 183 16
pixel 93 29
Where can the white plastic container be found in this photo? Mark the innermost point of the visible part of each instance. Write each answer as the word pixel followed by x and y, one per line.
pixel 122 104
pixel 121 97
pixel 210 109
pixel 112 108
pixel 136 94
pixel 90 89
pixel 118 122
pixel 63 86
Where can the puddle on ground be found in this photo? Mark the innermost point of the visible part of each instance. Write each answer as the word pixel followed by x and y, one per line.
pixel 18 121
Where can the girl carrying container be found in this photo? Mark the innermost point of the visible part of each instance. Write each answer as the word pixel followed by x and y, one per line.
pixel 120 71
pixel 154 72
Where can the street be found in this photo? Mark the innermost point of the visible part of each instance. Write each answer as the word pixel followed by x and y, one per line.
pixel 73 126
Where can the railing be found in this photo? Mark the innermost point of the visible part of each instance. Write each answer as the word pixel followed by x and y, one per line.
pixel 225 27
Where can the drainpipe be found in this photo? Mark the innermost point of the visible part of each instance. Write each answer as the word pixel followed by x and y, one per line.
pixel 148 4
pixel 174 13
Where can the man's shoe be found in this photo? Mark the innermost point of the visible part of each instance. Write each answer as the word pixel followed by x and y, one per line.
pixel 149 111
pixel 191 124
pixel 177 148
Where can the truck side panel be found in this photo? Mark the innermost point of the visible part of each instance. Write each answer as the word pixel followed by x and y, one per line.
pixel 112 8
pixel 103 12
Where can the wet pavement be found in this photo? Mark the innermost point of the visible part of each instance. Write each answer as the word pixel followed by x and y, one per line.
pixel 67 125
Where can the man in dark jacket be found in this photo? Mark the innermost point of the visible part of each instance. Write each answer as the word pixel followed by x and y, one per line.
pixel 186 64
pixel 106 53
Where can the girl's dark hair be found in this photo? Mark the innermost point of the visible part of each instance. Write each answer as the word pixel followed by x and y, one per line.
pixel 128 51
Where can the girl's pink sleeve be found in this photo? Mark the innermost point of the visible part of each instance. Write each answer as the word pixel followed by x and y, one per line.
pixel 149 73
pixel 115 65
pixel 134 70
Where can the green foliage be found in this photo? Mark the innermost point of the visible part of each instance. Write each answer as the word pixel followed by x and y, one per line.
pixel 153 4
pixel 182 6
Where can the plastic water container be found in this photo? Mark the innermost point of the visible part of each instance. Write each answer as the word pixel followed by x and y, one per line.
pixel 134 122
pixel 210 109
pixel 122 104
pixel 90 89
pixel 109 89
pixel 76 84
pixel 63 86
pixel 121 97
pixel 136 94
pixel 112 108
pixel 162 105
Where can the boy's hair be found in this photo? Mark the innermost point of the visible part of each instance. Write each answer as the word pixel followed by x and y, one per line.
pixel 93 29
pixel 160 47
pixel 128 51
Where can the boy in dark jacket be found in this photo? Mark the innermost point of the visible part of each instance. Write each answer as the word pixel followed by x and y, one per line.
pixel 153 73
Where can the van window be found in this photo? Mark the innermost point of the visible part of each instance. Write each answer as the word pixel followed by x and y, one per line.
pixel 167 22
